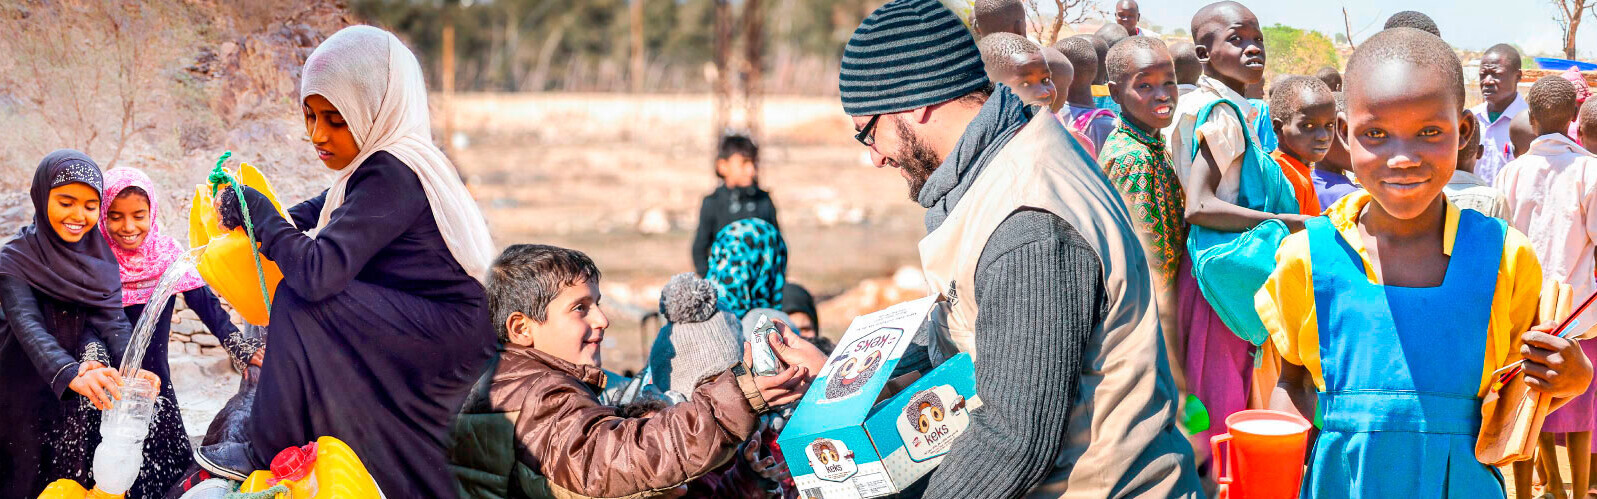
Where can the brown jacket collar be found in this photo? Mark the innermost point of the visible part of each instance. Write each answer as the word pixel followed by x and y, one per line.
pixel 519 361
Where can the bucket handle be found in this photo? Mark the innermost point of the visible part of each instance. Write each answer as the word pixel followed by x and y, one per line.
pixel 1222 461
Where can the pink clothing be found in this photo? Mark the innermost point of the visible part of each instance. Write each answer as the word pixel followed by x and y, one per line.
pixel 1086 143
pixel 142 268
pixel 1580 413
pixel 1219 364
pixel 1552 198
pixel 1582 91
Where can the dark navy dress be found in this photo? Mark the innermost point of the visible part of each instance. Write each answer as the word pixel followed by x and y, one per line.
pixel 377 333
pixel 167 452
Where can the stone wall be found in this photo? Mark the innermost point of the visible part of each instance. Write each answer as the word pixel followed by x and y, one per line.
pixel 191 337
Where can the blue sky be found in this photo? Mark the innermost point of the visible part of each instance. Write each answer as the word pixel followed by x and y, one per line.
pixel 1467 24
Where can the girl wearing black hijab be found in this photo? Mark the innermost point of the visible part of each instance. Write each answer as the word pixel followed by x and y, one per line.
pixel 63 330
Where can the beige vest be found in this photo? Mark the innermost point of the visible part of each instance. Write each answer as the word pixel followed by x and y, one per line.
pixel 1122 434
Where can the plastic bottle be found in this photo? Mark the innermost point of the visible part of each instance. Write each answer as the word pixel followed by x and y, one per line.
pixel 123 429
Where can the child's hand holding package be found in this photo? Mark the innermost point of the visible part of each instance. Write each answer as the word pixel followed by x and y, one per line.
pixel 1553 365
pixel 800 360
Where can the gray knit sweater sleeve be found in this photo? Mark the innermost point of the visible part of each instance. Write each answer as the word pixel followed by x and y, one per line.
pixel 1040 289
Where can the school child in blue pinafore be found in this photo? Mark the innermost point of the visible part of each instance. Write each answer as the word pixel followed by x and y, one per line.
pixel 1397 305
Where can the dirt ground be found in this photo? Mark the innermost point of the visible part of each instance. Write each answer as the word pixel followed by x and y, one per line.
pixel 621 177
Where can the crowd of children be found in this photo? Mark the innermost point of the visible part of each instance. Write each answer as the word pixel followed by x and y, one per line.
pixel 1187 170
pixel 1356 247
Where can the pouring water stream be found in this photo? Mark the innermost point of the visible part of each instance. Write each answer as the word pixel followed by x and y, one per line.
pixel 124 427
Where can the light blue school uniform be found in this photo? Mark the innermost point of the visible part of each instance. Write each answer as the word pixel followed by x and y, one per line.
pixel 1402 371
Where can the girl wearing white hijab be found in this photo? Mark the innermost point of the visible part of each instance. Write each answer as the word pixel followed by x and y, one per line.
pixel 380 326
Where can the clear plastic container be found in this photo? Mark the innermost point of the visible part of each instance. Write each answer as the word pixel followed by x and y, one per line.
pixel 123 429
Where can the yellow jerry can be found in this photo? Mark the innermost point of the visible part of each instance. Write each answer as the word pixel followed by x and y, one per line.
pixel 337 473
pixel 68 489
pixel 228 264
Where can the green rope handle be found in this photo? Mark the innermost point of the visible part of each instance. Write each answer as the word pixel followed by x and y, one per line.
pixel 264 494
pixel 219 176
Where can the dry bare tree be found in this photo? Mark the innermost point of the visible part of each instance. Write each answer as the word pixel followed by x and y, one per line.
pixel 1568 16
pixel 90 85
pixel 1047 30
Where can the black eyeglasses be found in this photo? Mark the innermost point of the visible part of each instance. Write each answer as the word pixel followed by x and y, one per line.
pixel 867 135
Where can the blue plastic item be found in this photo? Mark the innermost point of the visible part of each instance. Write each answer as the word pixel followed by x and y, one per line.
pixel 1555 64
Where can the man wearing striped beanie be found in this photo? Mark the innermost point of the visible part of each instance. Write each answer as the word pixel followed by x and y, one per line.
pixel 1024 228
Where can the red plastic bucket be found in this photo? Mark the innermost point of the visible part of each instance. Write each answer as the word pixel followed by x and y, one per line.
pixel 1263 454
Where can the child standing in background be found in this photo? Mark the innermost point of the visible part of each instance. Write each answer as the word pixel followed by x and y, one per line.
pixel 1013 60
pixel 1552 198
pixel 1213 148
pixel 1188 68
pixel 998 16
pixel 1303 114
pixel 1390 303
pixel 1107 37
pixel 1085 115
pixel 1330 174
pixel 1142 79
pixel 1064 75
pixel 1468 190
pixel 737 164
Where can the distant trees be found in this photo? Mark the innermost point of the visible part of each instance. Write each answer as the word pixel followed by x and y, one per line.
pixel 1568 13
pixel 86 70
pixel 586 45
pixel 1296 51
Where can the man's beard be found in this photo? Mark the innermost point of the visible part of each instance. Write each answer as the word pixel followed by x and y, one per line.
pixel 916 159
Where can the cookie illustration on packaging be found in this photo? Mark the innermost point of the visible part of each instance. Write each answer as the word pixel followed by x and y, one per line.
pixel 831 459
pixel 931 421
pixel 853 365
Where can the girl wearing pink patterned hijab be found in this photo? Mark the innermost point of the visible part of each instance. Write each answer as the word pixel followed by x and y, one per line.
pixel 143 253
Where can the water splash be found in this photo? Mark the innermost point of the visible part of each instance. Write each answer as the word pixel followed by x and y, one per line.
pixel 124 427
pixel 133 358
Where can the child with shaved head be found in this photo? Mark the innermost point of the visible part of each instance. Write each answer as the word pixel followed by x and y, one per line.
pixel 1013 60
pixel 1303 113
pixel 1106 36
pixel 1188 69
pixel 1331 77
pixel 998 16
pixel 1064 75
pixel 1085 116
pixel 1468 190
pixel 1394 309
pixel 1552 197
pixel 1142 78
pixel 1232 187
pixel 1330 174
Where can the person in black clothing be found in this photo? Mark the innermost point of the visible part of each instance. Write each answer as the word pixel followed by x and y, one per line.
pixel 380 325
pixel 61 333
pixel 739 196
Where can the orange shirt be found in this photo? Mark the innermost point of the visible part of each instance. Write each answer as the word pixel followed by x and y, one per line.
pixel 1302 179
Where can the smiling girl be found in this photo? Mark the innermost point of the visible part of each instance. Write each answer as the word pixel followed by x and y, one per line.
pixel 63 327
pixel 143 254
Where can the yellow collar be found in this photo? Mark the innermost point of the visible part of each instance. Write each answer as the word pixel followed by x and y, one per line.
pixel 1345 217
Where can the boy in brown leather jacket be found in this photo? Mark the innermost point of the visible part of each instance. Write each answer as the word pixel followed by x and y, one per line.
pixel 545 305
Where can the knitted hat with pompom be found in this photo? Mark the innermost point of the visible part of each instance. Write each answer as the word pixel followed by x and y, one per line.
pixel 700 339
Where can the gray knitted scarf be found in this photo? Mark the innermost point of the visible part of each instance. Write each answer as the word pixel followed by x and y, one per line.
pixel 999 119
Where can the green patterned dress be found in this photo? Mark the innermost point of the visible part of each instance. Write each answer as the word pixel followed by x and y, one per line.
pixel 1139 166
